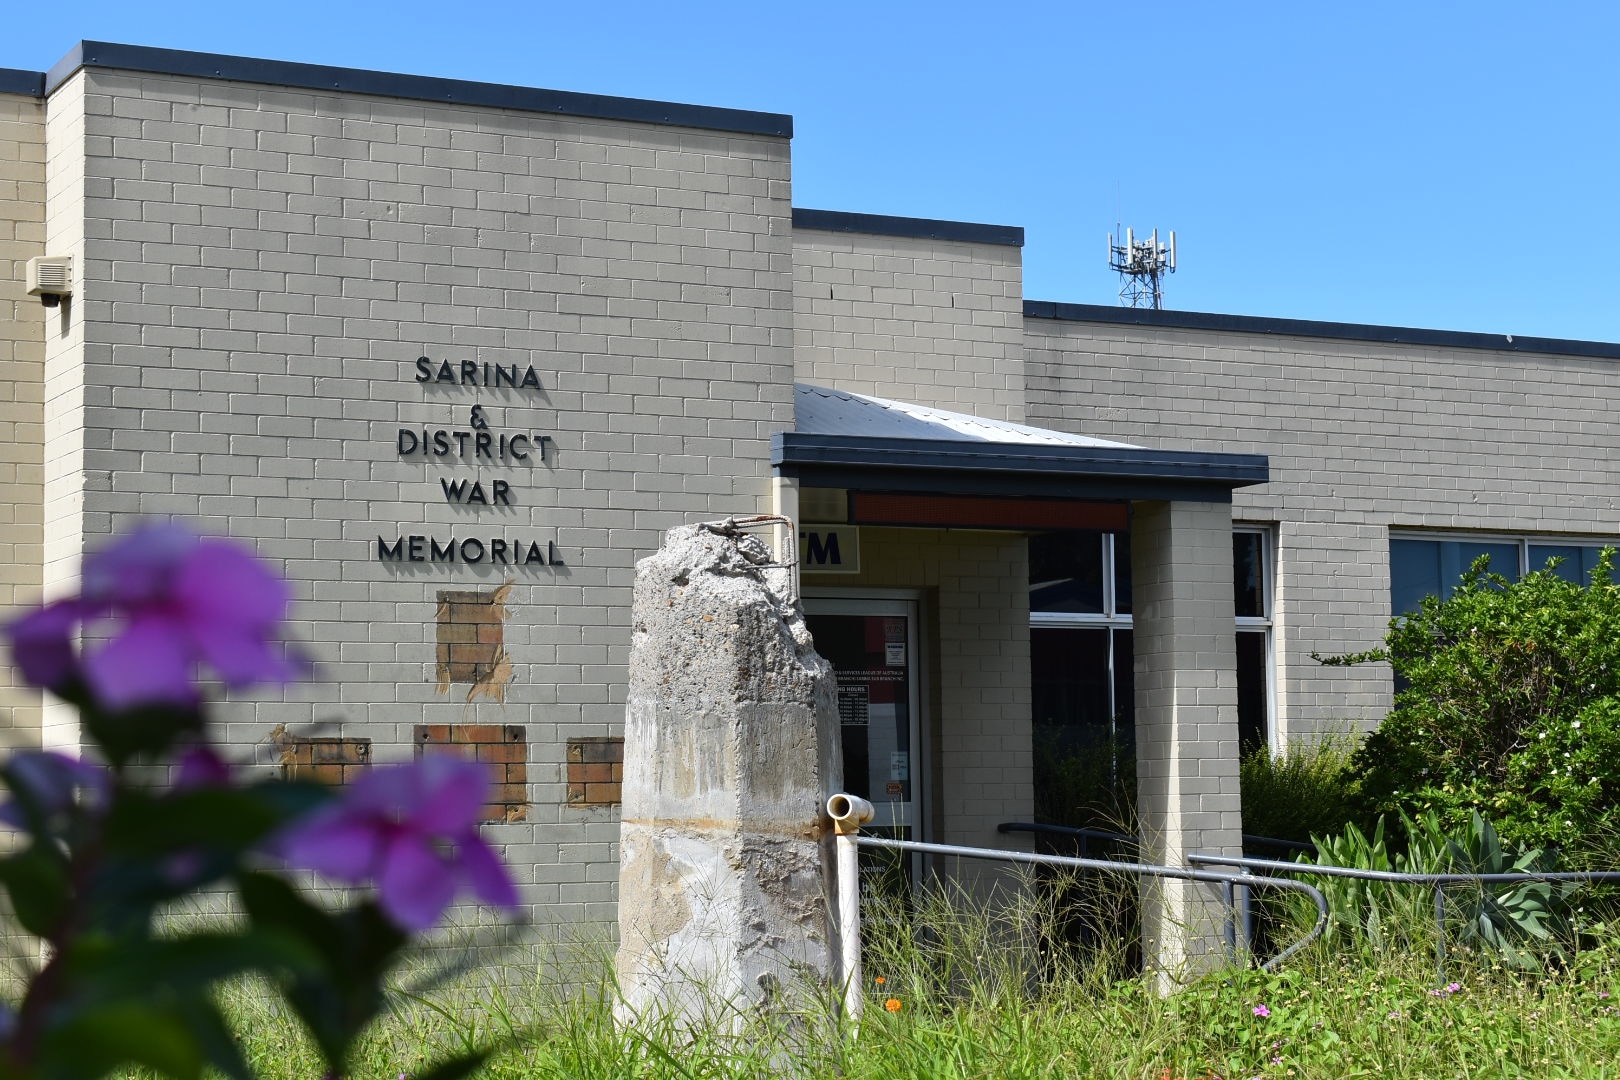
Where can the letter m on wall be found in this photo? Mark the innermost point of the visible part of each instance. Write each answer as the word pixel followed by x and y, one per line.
pixel 830 549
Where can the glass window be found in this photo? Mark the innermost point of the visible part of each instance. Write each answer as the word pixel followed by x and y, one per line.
pixel 1579 560
pixel 1066 572
pixel 1253 686
pixel 1419 568
pixel 1081 654
pixel 1249 575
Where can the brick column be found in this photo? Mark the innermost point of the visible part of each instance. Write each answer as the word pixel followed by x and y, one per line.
pixel 1186 720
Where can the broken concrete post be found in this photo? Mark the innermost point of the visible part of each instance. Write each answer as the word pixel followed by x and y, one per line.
pixel 730 751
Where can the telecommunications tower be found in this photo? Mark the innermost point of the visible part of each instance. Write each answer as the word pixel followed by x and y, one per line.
pixel 1142 265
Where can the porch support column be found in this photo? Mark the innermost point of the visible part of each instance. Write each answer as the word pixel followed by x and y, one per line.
pixel 1186 722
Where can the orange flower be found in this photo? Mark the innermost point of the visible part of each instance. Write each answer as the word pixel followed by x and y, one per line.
pixel 893 1005
pixel 879 980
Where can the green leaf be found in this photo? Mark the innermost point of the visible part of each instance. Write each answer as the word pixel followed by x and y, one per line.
pixel 100 1039
pixel 36 879
pixel 455 1068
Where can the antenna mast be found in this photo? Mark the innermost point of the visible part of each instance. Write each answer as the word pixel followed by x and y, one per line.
pixel 1142 265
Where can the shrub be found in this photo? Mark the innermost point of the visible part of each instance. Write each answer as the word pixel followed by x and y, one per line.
pixel 1306 790
pixel 1508 704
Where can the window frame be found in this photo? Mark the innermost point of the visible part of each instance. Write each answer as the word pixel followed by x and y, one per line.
pixel 1521 542
pixel 1111 618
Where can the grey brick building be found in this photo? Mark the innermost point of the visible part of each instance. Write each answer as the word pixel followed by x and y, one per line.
pixel 452 355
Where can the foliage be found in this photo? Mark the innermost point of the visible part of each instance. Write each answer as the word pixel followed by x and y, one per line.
pixel 1090 784
pixel 104 848
pixel 1508 704
pixel 1324 1018
pixel 1522 924
pixel 1304 791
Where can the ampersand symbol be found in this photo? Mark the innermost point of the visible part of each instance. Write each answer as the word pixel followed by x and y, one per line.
pixel 478 421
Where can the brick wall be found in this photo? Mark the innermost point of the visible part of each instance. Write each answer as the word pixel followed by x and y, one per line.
pixel 935 322
pixel 261 269
pixel 22 386
pixel 1363 438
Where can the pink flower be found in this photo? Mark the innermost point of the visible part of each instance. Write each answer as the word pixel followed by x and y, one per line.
pixel 413 828
pixel 1261 1011
pixel 174 600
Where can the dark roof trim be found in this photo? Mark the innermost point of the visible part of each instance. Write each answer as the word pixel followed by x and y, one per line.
pixel 413 87
pixel 913 228
pixel 1251 324
pixel 13 81
pixel 954 465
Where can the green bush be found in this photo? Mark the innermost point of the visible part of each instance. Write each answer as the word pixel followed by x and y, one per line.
pixel 1307 790
pixel 1508 704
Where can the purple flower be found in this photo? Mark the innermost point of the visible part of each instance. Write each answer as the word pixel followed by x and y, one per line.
pixel 413 828
pixel 48 785
pixel 201 767
pixel 1261 1011
pixel 174 600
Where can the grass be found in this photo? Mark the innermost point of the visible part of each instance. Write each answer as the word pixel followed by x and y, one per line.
pixel 977 989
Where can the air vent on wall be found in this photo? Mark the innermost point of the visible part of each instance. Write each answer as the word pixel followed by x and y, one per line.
pixel 50 277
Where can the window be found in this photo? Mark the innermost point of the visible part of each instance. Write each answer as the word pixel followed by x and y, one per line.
pixel 1251 582
pixel 1081 645
pixel 1429 565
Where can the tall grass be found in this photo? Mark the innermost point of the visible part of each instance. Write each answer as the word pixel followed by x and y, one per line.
pixel 962 984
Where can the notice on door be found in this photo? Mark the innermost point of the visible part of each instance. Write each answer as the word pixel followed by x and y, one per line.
pixel 854 703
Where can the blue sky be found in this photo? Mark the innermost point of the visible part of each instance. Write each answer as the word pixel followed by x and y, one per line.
pixel 1420 163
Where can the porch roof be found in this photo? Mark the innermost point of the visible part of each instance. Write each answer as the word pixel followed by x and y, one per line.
pixel 854 441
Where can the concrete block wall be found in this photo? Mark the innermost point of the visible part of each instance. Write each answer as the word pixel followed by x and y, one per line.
pixel 22 388
pixel 975 589
pixel 1188 796
pixel 934 322
pixel 65 393
pixel 262 268
pixel 1363 437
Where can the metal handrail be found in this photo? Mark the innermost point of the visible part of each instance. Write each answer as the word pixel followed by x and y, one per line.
pixel 1229 881
pixel 1103 834
pixel 1396 877
pixel 848 813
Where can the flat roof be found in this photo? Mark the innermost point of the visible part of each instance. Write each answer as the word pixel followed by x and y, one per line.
pixel 200 65
pixel 1254 324
pixel 970 232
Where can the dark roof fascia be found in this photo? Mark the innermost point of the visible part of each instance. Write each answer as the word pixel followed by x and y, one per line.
pixel 968 232
pixel 412 87
pixel 943 465
pixel 15 81
pixel 1253 324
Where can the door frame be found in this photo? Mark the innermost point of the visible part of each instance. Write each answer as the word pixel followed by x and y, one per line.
pixel 912 604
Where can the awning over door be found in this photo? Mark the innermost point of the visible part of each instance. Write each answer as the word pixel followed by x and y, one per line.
pixel 869 444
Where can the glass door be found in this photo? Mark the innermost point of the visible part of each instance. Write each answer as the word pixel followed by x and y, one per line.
pixel 872 646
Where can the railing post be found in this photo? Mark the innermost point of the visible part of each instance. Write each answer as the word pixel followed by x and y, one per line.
pixel 1230 931
pixel 1245 899
pixel 1440 930
pixel 849 813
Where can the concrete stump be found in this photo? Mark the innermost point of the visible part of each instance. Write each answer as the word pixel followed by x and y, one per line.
pixel 730 750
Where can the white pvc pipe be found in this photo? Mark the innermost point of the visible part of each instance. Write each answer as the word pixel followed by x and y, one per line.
pixel 849 813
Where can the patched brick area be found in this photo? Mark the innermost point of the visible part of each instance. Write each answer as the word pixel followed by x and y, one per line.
pixel 326 759
pixel 595 771
pixel 503 747
pixel 471 642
